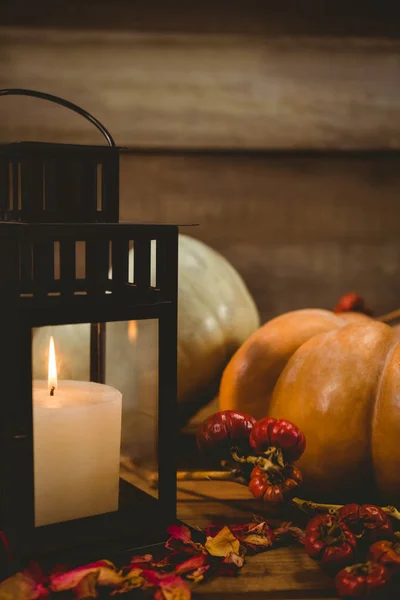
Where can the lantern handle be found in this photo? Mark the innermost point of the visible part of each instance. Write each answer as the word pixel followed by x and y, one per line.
pixel 62 102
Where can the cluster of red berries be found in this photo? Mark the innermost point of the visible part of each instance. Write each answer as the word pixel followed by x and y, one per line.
pixel 262 452
pixel 357 545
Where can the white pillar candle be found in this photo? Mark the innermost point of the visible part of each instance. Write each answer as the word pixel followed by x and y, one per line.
pixel 77 438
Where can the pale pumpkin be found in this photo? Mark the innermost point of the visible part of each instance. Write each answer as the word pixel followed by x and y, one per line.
pixel 216 314
pixel 338 379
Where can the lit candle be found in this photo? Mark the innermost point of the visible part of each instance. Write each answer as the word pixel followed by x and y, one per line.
pixel 76 439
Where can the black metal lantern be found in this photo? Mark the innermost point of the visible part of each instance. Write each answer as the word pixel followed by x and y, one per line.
pixel 62 484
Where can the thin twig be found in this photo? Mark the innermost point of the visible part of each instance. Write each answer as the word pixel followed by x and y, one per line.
pixel 392 316
pixel 201 476
pixel 307 506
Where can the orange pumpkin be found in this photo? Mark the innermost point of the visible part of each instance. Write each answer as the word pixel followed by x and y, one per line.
pixel 338 378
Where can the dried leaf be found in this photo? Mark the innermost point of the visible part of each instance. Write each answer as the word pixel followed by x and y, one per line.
pixel 169 560
pixel 258 537
pixel 181 540
pixel 133 579
pixel 22 587
pixel 107 575
pixel 173 587
pixel 180 532
pixel 229 566
pixel 87 587
pixel 152 576
pixel 223 543
pixel 198 575
pixel 234 559
pixel 191 564
pixel 137 561
pixel 288 531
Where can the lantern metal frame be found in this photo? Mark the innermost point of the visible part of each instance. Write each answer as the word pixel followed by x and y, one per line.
pixel 38 221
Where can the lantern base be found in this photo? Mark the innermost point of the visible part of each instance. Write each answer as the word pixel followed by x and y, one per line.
pixel 119 554
pixel 114 537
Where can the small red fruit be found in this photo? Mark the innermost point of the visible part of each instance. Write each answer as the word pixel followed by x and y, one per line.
pixel 330 542
pixel 368 522
pixel 364 580
pixel 352 303
pixel 386 553
pixel 224 430
pixel 278 433
pixel 275 487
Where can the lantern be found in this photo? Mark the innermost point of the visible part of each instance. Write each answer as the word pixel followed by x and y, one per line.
pixel 66 481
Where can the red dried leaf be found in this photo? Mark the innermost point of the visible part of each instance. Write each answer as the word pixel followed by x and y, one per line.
pixel 87 587
pixel 288 532
pixel 180 532
pixel 258 537
pixel 169 560
pixel 174 588
pixel 171 587
pixel 212 530
pixel 133 579
pixel 181 540
pixel 191 564
pixel 108 576
pixel 152 577
pixel 229 566
pixel 141 561
pixel 198 575
pixel 23 587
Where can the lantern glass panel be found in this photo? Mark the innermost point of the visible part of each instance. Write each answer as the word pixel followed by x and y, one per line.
pixel 93 442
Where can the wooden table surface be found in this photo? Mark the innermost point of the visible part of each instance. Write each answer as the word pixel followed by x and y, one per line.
pixel 281 573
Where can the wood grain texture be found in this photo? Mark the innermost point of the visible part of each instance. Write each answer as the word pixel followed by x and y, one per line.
pixel 255 17
pixel 177 90
pixel 301 231
pixel 280 573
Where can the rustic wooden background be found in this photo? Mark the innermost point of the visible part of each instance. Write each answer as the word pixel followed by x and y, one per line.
pixel 277 129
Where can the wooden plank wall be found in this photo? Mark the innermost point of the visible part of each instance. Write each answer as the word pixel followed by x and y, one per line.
pixel 277 130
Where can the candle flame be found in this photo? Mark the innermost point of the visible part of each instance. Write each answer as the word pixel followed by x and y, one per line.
pixel 132 331
pixel 52 370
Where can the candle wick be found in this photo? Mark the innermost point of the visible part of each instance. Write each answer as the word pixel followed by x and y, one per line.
pixel 53 387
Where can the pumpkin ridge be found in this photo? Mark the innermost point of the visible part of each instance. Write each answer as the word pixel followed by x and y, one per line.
pixel 249 378
pixel 385 428
pixel 328 389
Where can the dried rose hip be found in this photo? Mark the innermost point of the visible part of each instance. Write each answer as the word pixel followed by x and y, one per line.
pixel 368 522
pixel 364 580
pixel 275 487
pixel 387 553
pixel 352 303
pixel 330 542
pixel 223 431
pixel 272 433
